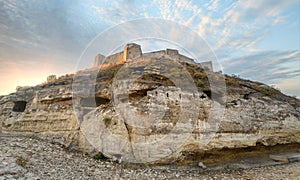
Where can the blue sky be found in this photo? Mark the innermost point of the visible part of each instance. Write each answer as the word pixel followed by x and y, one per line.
pixel 257 39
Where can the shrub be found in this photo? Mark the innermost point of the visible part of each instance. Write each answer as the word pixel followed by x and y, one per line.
pixel 266 90
pixel 21 161
pixel 232 81
pixel 100 156
pixel 200 83
pixel 199 75
pixel 107 121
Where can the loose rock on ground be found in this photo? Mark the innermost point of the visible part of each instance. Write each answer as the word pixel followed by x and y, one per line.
pixel 27 158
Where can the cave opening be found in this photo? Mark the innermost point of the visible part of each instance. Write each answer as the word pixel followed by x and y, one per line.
pixel 202 96
pixel 19 106
pixel 208 93
pixel 93 101
pixel 139 94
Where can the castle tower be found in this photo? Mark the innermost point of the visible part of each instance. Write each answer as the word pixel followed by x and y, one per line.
pixel 207 65
pixel 98 60
pixel 132 51
pixel 173 53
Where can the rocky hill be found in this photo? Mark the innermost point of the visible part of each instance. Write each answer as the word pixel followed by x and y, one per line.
pixel 156 110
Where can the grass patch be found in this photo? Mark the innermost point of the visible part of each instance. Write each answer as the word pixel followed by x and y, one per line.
pixel 107 74
pixel 230 81
pixel 266 90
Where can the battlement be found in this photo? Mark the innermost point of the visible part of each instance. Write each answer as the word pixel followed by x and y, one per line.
pixel 132 51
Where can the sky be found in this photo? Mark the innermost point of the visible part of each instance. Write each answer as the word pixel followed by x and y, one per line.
pixel 257 40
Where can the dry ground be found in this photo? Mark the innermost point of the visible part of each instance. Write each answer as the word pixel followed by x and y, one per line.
pixel 26 158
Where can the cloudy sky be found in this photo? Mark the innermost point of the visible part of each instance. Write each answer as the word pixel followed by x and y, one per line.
pixel 257 39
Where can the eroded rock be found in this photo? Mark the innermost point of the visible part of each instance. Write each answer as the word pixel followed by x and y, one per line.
pixel 152 117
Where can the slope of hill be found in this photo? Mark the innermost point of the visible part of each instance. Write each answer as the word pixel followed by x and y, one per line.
pixel 155 110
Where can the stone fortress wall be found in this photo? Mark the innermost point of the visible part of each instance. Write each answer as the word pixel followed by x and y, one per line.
pixel 133 50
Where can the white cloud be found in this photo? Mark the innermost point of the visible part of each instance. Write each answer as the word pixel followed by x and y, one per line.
pixel 42 28
pixel 241 24
pixel 270 67
pixel 290 86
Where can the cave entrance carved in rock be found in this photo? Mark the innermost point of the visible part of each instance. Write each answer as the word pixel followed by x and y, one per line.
pixel 19 106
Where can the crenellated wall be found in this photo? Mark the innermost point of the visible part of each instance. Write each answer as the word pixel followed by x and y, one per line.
pixel 99 58
pixel 132 51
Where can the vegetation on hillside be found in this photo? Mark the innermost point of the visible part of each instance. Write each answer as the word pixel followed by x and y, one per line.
pixel 159 73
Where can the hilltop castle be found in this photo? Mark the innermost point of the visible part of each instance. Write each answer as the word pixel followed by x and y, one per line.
pixel 133 50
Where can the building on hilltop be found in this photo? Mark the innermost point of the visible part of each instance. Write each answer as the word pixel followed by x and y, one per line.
pixel 207 65
pixel 172 53
pixel 98 60
pixel 132 51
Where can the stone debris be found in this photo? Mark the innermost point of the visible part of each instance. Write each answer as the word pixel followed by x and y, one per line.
pixel 292 157
pixel 51 161
pixel 281 158
pixel 202 165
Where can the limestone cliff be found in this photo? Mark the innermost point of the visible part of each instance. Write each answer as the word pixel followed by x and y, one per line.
pixel 149 110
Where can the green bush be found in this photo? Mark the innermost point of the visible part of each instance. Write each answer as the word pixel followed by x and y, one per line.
pixel 200 83
pixel 266 90
pixel 100 156
pixel 199 75
pixel 107 121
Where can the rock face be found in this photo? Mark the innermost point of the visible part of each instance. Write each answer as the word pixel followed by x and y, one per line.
pixel 45 110
pixel 153 110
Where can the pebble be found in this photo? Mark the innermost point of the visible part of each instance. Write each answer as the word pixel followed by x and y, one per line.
pixel 49 161
pixel 202 165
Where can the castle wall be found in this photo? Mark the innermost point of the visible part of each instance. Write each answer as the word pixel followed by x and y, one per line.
pixel 108 61
pixel 186 59
pixel 98 60
pixel 155 54
pixel 115 59
pixel 207 65
pixel 132 51
pixel 172 53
